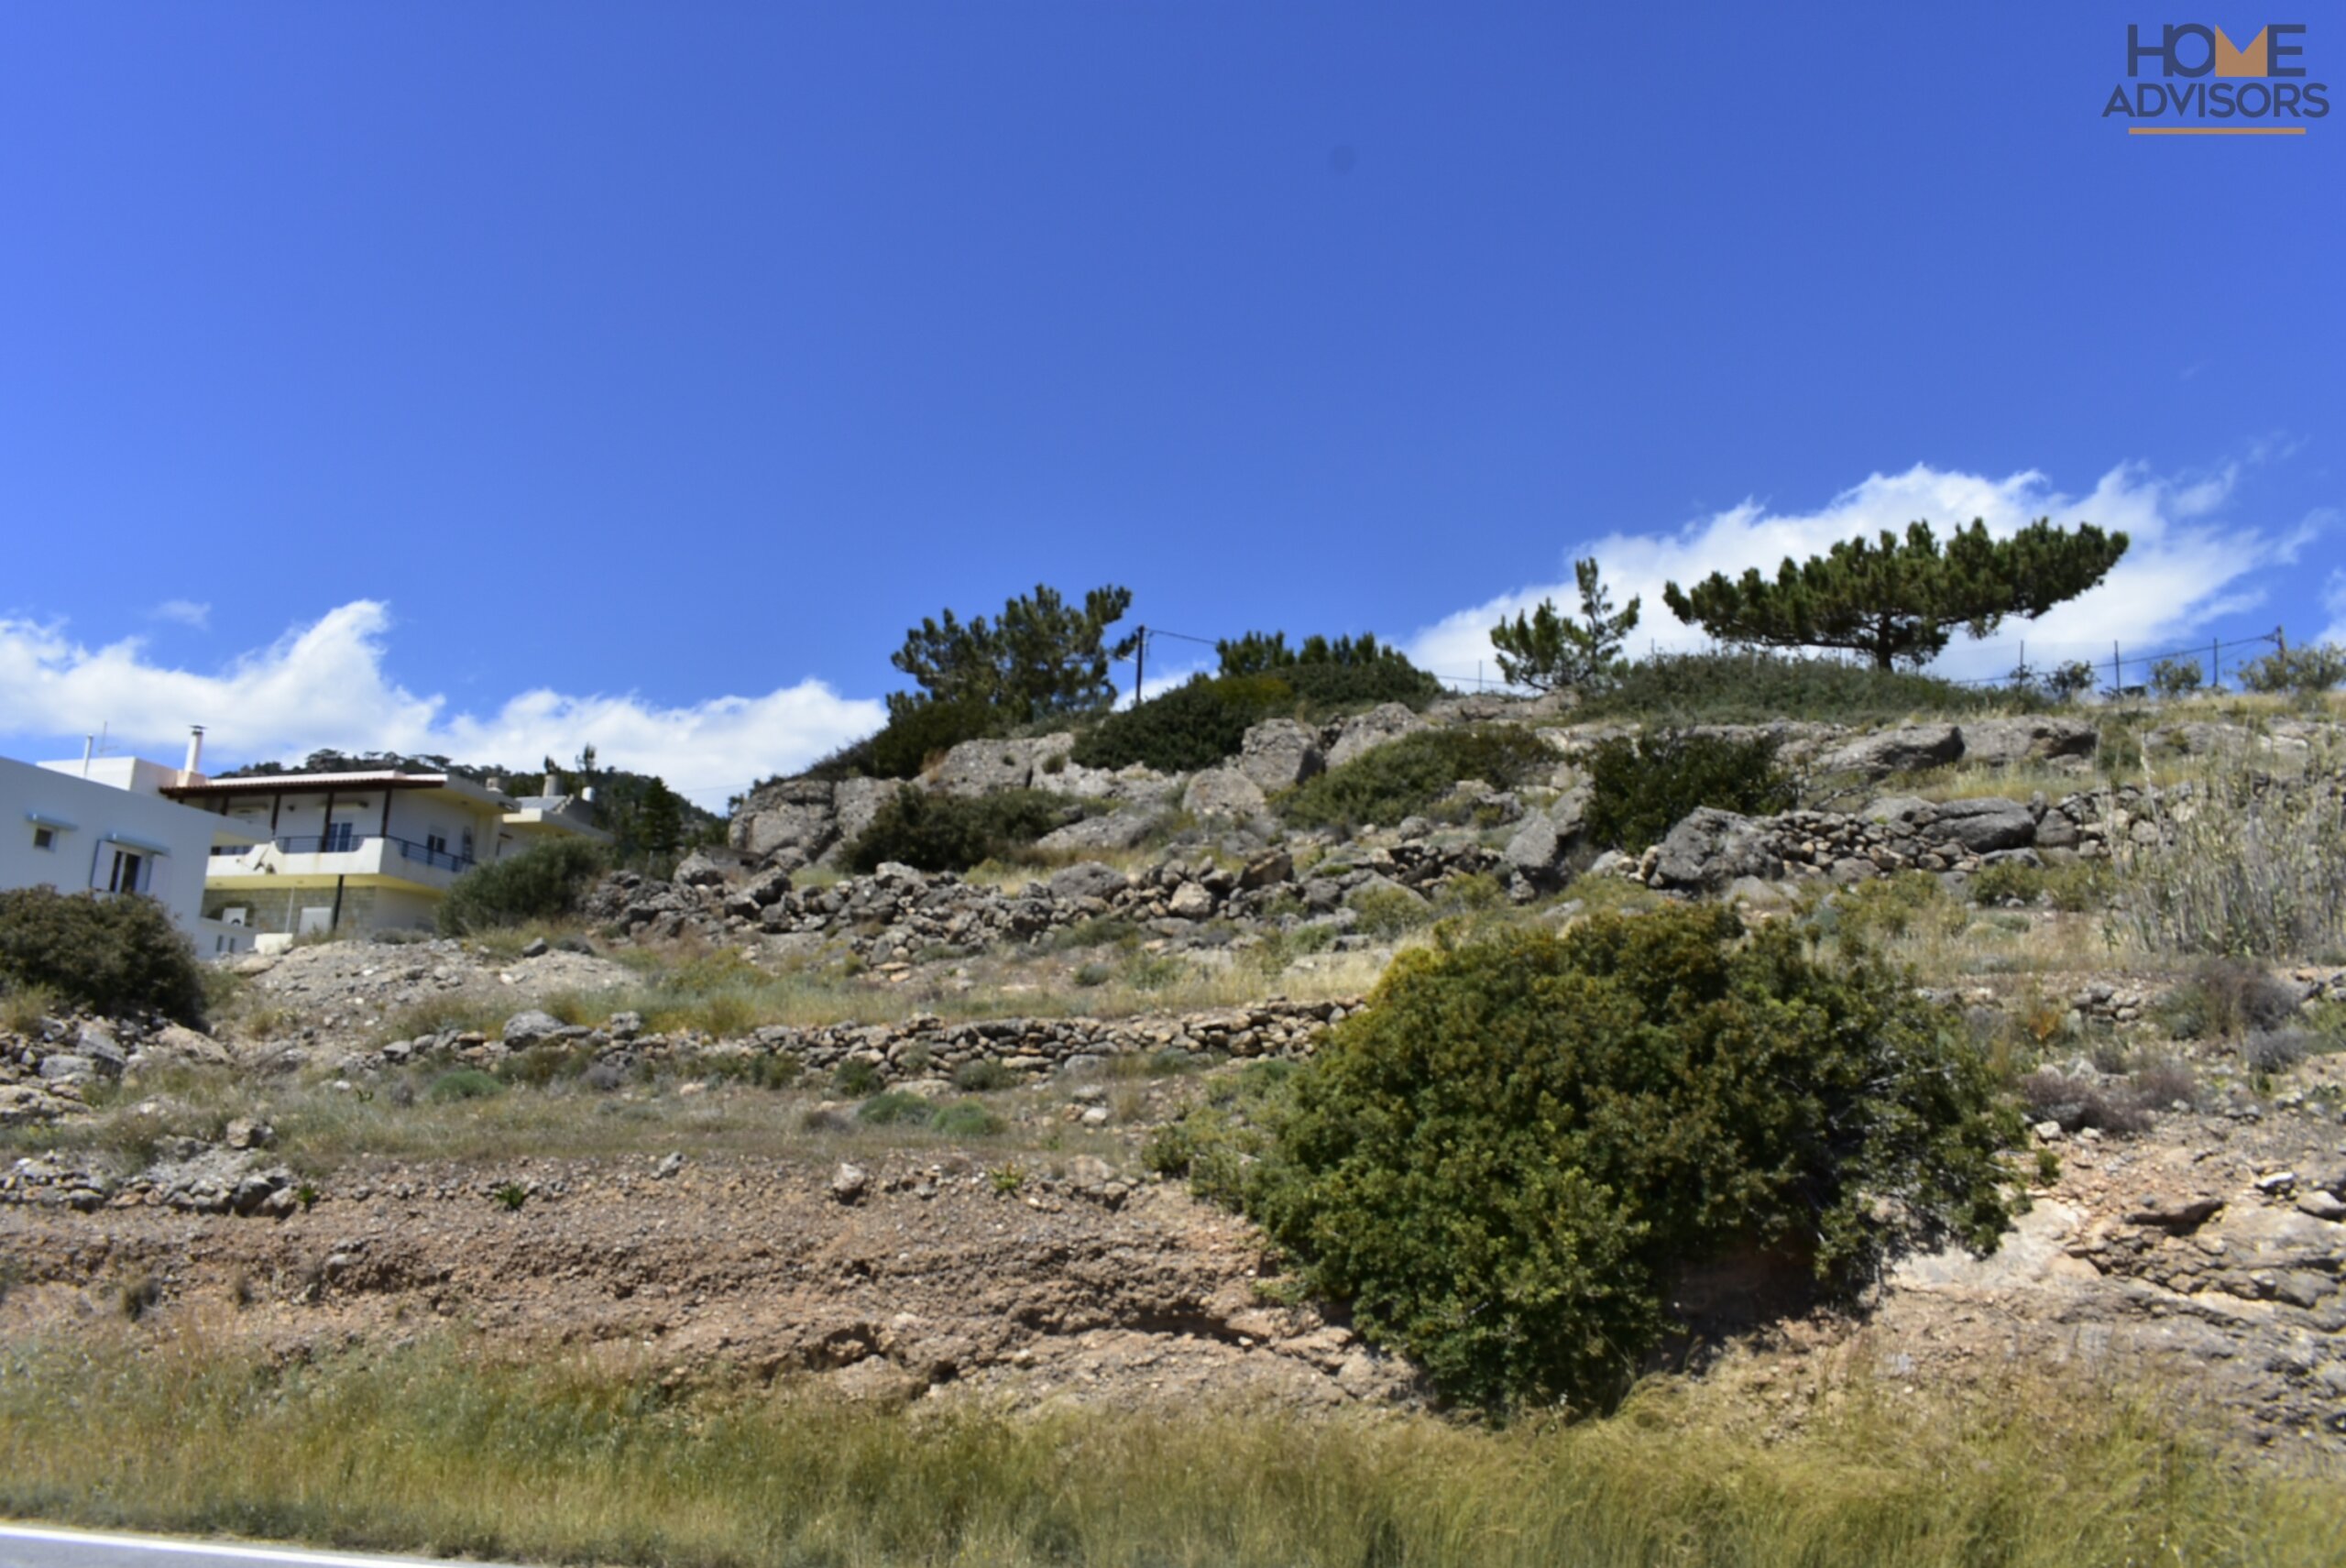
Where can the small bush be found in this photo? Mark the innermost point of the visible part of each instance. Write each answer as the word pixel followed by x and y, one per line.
pixel 2073 889
pixel 2306 672
pixel 2277 1050
pixel 1324 690
pixel 2173 678
pixel 463 1084
pixel 895 1108
pixel 113 954
pixel 544 881
pixel 1907 903
pixel 856 1077
pixel 1641 788
pixel 1389 911
pixel 2225 998
pixel 951 833
pixel 1190 726
pixel 1507 1159
pixel 1408 777
pixel 967 1119
pixel 511 1196
pixel 1732 687
pixel 2085 1099
pixel 23 1008
pixel 984 1076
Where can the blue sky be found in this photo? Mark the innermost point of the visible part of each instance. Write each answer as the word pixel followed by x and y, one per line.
pixel 499 379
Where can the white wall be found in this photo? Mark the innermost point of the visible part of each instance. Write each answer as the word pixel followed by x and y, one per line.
pixel 82 856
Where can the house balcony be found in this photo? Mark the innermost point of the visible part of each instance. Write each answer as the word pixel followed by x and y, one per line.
pixel 339 855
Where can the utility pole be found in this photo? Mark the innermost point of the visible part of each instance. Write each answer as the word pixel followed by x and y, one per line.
pixel 1140 663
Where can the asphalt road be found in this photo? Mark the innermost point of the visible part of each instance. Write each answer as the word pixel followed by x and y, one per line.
pixel 39 1546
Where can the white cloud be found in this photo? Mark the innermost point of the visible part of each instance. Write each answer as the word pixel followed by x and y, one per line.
pixel 2333 600
pixel 325 684
pixel 186 613
pixel 2186 565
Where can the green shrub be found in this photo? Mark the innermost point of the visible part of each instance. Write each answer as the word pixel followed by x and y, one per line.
pixel 982 1076
pixel 1507 1159
pixel 895 1108
pixel 544 881
pixel 1388 911
pixel 1407 777
pixel 463 1084
pixel 967 1119
pixel 1190 726
pixel 952 833
pixel 2073 889
pixel 119 953
pixel 1905 904
pixel 1752 687
pixel 856 1076
pixel 1325 690
pixel 1639 789
pixel 2306 672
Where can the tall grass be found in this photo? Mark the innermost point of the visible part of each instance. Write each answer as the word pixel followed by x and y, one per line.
pixel 440 1447
pixel 2249 867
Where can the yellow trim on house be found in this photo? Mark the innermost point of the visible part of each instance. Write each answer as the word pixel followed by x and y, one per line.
pixel 317 879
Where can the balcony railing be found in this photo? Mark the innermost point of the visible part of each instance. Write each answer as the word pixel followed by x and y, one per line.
pixel 349 843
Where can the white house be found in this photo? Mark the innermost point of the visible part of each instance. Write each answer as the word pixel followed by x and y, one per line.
pixel 77 835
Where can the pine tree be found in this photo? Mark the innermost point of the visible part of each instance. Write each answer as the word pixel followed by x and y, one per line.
pixel 1042 657
pixel 1545 652
pixel 1899 600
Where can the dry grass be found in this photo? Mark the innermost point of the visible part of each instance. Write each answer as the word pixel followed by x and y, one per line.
pixel 2246 872
pixel 445 1447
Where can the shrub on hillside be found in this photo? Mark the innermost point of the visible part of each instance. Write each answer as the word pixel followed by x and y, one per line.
pixel 917 732
pixel 1638 789
pixel 1325 690
pixel 115 954
pixel 1511 1156
pixel 1752 687
pixel 2306 672
pixel 1408 777
pixel 950 833
pixel 544 881
pixel 1190 726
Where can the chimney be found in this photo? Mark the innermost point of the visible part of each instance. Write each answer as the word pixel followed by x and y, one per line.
pixel 554 786
pixel 188 775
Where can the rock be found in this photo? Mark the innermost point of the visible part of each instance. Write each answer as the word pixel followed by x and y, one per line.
pixel 670 1163
pixel 848 1182
pixel 1267 870
pixel 2006 742
pixel 984 767
pixel 1366 731
pixel 245 1134
pixel 2172 1212
pixel 854 803
pixel 1989 823
pixel 698 870
pixel 528 1028
pixel 1117 830
pixel 1190 902
pixel 1902 809
pixel 1222 792
pixel 2321 1206
pixel 791 818
pixel 1905 750
pixel 1279 753
pixel 536 949
pixel 64 1066
pixel 255 1191
pixel 96 1041
pixel 1088 879
pixel 624 1025
pixel 1540 847
pixel 1711 849
pixel 187 1045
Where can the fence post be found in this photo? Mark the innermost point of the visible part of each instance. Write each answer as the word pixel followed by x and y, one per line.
pixel 2117 669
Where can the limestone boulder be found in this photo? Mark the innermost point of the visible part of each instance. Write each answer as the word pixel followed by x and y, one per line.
pixel 2034 738
pixel 1222 792
pixel 1907 748
pixel 1366 731
pixel 1711 848
pixel 791 815
pixel 1279 753
pixel 1986 824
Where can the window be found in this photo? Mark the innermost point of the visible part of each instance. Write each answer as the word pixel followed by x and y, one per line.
pixel 44 838
pixel 123 875
pixel 341 836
